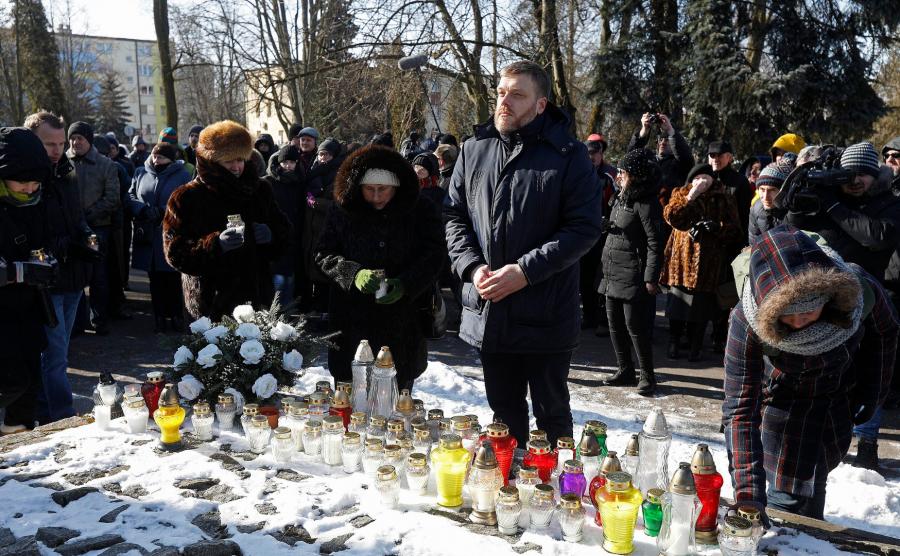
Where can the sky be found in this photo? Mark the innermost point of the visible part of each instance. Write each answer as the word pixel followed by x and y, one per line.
pixel 131 19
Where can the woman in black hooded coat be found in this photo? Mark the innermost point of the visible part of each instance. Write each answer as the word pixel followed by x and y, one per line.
pixel 631 263
pixel 404 237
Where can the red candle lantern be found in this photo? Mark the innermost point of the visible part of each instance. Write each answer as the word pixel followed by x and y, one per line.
pixel 540 456
pixel 504 447
pixel 340 406
pixel 709 487
pixel 151 389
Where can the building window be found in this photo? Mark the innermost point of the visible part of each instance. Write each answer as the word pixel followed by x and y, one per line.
pixel 130 79
pixel 146 89
pixel 145 50
pixel 129 59
pixel 147 109
pixel 147 71
pixel 103 48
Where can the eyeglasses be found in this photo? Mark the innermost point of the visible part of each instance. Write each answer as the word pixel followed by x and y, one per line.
pixel 895 155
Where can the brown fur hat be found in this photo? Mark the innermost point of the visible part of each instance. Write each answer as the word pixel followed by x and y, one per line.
pixel 224 141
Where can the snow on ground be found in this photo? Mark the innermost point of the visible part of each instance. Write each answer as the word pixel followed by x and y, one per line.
pixel 326 502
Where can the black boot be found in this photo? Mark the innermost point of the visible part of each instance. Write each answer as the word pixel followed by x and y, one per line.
pixel 647 385
pixel 674 347
pixel 623 377
pixel 695 335
pixel 177 325
pixel 867 454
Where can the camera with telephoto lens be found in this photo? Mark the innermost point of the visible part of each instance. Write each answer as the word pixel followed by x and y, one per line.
pixel 800 191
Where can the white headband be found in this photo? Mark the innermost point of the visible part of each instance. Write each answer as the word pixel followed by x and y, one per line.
pixel 380 176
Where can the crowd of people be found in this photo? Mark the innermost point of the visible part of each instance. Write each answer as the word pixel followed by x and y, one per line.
pixel 536 234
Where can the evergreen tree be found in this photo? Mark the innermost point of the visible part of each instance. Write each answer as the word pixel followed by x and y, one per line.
pixel 111 106
pixel 38 58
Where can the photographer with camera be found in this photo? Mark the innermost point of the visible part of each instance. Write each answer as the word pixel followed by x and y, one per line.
pixel 24 302
pixel 673 154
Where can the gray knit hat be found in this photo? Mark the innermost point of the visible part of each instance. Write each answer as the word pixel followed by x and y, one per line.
pixel 861 158
pixel 807 303
pixel 773 175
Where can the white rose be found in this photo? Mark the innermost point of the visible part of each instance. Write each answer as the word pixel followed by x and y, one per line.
pixel 244 313
pixel 213 334
pixel 247 331
pixel 238 398
pixel 207 356
pixel 265 386
pixel 282 332
pixel 201 325
pixel 252 351
pixel 292 361
pixel 189 387
pixel 182 356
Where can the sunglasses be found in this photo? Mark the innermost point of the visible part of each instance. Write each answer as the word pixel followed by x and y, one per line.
pixel 895 155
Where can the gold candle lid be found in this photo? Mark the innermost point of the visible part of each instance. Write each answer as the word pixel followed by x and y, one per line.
pixel 416 459
pixel 570 502
pixel 565 443
pixel 543 491
pixel 138 402
pixel 299 409
pixel 352 438
pixel 472 418
pixel 386 473
pixel 405 402
pixel 737 526
pixel 374 444
pixel 654 495
pixel 450 441
pixel 418 423
pixel 618 481
pixel 282 433
pixel 384 360
pixel 395 425
pixel 599 427
pixel 538 447
pixel 288 402
pixel 250 409
pixel 378 421
pixel 683 480
pixel 537 434
pixel 201 409
pixel 435 414
pixel 226 399
pixel 323 386
pixel 422 434
pixel 344 387
pixel 528 472
pixel 497 430
pixel 589 447
pixel 702 463
pixel 358 418
pixel 573 466
pixel 508 494
pixel 610 464
pixel 313 425
pixel 461 422
pixel 634 446
pixel 341 400
pixel 259 421
pixel 392 450
pixel 332 423
pixel 318 398
pixel 405 440
pixel 446 425
pixel 485 457
pixel 169 396
pixel 748 512
pixel 419 404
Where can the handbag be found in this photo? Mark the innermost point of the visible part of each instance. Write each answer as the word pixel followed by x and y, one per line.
pixel 433 316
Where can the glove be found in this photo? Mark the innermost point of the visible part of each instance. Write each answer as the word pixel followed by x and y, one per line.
pixel 31 273
pixel 710 226
pixel 395 292
pixel 230 239
pixel 262 233
pixel 366 281
pixel 695 232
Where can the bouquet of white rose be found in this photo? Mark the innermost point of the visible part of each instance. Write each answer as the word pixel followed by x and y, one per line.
pixel 248 354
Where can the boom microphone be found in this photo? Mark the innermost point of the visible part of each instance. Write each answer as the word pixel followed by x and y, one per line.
pixel 412 62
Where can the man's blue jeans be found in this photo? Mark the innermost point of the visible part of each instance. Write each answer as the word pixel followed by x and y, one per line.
pixel 55 398
pixel 869 429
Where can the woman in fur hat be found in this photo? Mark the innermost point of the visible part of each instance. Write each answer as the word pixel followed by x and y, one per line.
pixel 811 349
pixel 380 222
pixel 224 266
pixel 704 221
pixel 632 255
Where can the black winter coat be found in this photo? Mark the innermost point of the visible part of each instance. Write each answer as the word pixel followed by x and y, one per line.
pixel 863 230
pixel 289 190
pixel 67 228
pixel 530 199
pixel 405 239
pixel 632 254
pixel 738 187
pixel 762 220
pixel 673 167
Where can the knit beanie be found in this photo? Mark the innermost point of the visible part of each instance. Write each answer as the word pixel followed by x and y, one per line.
pixel 860 158
pixel 697 170
pixel 427 161
pixel 380 176
pixel 195 129
pixel 288 152
pixel 137 140
pixel 773 175
pixel 84 129
pixel 224 141
pixel 168 135
pixel 294 130
pixel 101 144
pixel 111 137
pixel 639 163
pixel 22 155
pixel 806 303
pixel 167 150
pixel 331 146
pixel 309 132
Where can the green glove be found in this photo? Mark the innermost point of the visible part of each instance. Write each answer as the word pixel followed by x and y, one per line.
pixel 395 292
pixel 366 281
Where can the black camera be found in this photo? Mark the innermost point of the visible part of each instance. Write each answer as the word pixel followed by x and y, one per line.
pixel 654 119
pixel 799 194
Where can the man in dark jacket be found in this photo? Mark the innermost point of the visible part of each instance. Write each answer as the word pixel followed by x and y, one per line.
pixel 446 155
pixel 24 166
pixel 721 158
pixel 764 214
pixel 69 241
pixel 290 196
pixel 524 207
pixel 101 199
pixel 811 351
pixel 672 152
pixel 265 145
pixel 139 153
pixel 190 150
pixel 891 154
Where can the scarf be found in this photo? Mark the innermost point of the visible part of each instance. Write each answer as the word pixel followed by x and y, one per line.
pixel 17 199
pixel 430 181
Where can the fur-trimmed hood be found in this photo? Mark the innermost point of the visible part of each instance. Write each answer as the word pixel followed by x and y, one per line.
pixel 348 191
pixel 787 265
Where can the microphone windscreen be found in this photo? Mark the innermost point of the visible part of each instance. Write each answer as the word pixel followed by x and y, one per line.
pixel 412 62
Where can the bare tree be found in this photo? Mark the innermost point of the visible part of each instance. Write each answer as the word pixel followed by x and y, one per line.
pixel 161 22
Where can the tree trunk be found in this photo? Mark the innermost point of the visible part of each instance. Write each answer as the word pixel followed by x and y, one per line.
pixel 759 22
pixel 161 22
pixel 550 38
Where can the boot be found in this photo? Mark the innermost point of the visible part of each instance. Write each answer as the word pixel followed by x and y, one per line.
pixel 647 385
pixel 674 347
pixel 623 377
pixel 695 334
pixel 176 325
pixel 867 454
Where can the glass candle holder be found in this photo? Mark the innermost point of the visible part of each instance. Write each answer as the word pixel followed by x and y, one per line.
pixel 394 427
pixel 677 536
pixel 417 471
pixel 484 481
pixel 565 451
pixel 433 422
pixel 361 367
pixel 169 416
pixel 405 409
pixel 283 445
pixel 202 421
pixel 225 411
pixel 377 427
pixel 332 438
pixel 351 452
pixel 358 425
pixel 619 504
pixel 340 406
pixel 541 507
pixel 102 416
pixel 387 484
pixel 654 441
pixel 250 409
pixel 312 438
pixel 540 456
pixel 572 480
pixel 151 389
pixel 450 461
pixel 383 394
pixel 318 405
pixel 462 427
pixel 526 482
pixel 298 414
pixel 571 517
pixel 632 454
pixel 259 434
pixel 393 455
pixel 709 483
pixel 135 411
pixel 736 537
pixel 751 514
pixel 373 456
pixel 504 447
pixel 422 441
pixel 508 508
pixel 652 511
